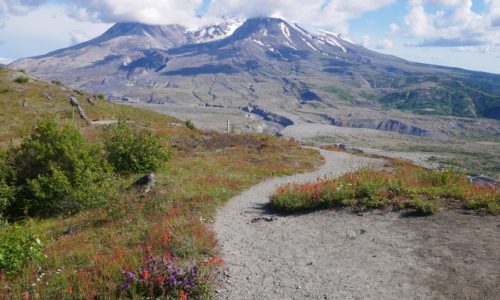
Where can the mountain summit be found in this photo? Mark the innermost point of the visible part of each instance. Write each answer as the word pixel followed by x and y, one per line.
pixel 309 75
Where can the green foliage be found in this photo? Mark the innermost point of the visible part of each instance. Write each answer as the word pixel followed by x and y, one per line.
pixel 189 124
pixel 6 190
pixel 6 90
pixel 18 246
pixel 22 80
pixel 438 178
pixel 57 172
pixel 421 205
pixel 131 149
pixel 101 96
pixel 57 82
pixel 341 93
pixel 423 191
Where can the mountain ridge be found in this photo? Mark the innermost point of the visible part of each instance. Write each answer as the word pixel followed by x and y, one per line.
pixel 269 63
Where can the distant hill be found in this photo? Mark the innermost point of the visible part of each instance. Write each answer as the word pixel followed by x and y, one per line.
pixel 273 65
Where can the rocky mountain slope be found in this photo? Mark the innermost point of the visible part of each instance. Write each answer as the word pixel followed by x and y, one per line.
pixel 275 66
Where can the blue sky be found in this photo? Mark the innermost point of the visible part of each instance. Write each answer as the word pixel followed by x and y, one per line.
pixel 459 33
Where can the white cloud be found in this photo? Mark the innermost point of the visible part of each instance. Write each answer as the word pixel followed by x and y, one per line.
pixel 78 36
pixel 453 24
pixel 478 49
pixel 5 60
pixel 44 29
pixel 333 14
pixel 385 44
pixel 144 11
pixel 16 8
pixel 365 41
pixel 394 28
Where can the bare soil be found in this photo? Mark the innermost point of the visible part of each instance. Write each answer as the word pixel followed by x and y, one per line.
pixel 341 255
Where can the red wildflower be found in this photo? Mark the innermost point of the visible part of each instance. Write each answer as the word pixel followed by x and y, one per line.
pixel 165 238
pixel 145 274
pixel 26 295
pixel 183 295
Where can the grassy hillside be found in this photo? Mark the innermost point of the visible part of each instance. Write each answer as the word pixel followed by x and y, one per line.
pixel 418 88
pixel 24 103
pixel 85 255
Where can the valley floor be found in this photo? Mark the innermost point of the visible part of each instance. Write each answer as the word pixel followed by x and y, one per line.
pixel 341 255
pixel 477 155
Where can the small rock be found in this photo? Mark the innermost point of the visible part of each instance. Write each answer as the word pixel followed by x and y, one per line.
pixel 47 96
pixel 267 219
pixel 146 182
pixel 73 101
pixel 68 232
pixel 310 263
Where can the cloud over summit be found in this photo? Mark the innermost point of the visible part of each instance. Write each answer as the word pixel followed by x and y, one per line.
pixel 332 14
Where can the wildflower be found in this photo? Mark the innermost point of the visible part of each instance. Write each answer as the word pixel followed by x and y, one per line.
pixel 145 274
pixel 183 295
pixel 165 238
pixel 26 295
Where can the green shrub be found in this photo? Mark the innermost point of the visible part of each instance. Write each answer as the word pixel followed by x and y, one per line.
pixel 101 96
pixel 22 80
pixel 439 178
pixel 6 189
pixel 189 124
pixel 423 191
pixel 134 150
pixel 18 246
pixel 6 90
pixel 57 82
pixel 57 172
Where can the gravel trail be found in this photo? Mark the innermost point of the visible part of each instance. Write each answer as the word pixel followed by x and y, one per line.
pixel 340 255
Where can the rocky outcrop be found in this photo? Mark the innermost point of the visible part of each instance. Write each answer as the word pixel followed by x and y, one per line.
pixel 483 181
pixel 391 125
pixel 403 128
pixel 269 116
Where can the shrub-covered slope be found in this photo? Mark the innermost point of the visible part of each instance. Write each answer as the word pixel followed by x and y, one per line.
pixel 130 243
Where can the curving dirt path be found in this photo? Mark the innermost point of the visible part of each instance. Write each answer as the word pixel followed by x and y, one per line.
pixel 339 255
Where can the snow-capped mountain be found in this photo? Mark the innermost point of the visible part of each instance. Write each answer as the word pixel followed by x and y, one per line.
pixel 267 63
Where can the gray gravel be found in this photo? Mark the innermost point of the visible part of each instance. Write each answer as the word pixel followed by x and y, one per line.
pixel 340 255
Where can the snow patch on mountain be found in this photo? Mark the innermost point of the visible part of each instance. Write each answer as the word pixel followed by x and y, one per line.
pixel 213 32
